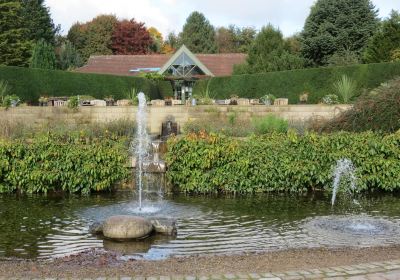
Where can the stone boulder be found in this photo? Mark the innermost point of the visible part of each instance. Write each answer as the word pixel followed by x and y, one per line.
pixel 96 228
pixel 164 226
pixel 126 227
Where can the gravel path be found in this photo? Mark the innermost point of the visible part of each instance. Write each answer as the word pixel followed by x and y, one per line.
pixel 96 263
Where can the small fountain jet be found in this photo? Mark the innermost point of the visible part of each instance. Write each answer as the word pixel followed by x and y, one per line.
pixel 344 169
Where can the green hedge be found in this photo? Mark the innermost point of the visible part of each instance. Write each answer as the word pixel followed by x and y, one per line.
pixel 202 163
pixel 61 163
pixel 29 84
pixel 290 84
pixel 165 89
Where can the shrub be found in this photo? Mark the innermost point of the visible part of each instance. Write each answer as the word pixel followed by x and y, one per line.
pixel 132 95
pixel 10 101
pixel 287 84
pixel 268 99
pixel 269 124
pixel 330 99
pixel 73 102
pixel 61 163
pixel 345 87
pixel 231 125
pixel 12 129
pixel 377 111
pixel 29 84
pixel 209 163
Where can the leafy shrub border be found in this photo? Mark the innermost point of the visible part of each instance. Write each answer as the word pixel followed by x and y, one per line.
pixel 61 163
pixel 209 163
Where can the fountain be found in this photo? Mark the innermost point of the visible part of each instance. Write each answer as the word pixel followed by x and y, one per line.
pixel 344 169
pixel 127 227
pixel 140 145
pixel 150 168
pixel 359 229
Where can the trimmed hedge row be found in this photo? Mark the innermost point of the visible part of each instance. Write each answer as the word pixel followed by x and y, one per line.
pixel 61 163
pixel 207 163
pixel 290 84
pixel 29 84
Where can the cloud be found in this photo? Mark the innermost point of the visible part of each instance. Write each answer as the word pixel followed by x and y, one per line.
pixel 68 12
pixel 170 15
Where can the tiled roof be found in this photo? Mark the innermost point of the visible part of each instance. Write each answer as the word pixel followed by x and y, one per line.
pixel 218 64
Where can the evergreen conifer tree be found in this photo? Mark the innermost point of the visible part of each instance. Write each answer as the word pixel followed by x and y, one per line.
pixel 386 42
pixel 198 34
pixel 337 26
pixel 37 21
pixel 43 56
pixel 69 57
pixel 14 46
pixel 270 53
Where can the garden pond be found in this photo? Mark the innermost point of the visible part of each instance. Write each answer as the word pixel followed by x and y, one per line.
pixel 52 226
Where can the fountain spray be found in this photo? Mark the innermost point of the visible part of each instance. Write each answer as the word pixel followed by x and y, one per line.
pixel 140 145
pixel 344 168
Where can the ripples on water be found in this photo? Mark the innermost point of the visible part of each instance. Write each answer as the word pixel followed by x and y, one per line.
pixel 56 226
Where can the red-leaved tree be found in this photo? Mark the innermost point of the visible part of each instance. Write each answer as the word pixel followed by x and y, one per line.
pixel 131 37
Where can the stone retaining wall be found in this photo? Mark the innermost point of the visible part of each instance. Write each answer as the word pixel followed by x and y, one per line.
pixel 157 115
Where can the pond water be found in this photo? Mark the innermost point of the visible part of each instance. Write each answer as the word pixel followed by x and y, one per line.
pixel 42 227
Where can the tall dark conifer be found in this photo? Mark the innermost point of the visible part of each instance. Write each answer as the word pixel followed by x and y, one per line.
pixel 386 42
pixel 335 26
pixel 43 56
pixel 14 45
pixel 38 22
pixel 198 34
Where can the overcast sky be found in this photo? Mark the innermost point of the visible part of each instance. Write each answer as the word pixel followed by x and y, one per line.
pixel 170 15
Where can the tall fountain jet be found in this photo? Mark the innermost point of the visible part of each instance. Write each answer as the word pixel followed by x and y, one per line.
pixel 141 143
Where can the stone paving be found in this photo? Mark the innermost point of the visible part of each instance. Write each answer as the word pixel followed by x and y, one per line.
pixel 389 270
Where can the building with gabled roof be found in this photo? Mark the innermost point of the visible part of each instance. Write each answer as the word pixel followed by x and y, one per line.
pixel 183 68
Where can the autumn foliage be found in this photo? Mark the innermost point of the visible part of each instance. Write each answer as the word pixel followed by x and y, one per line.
pixel 131 37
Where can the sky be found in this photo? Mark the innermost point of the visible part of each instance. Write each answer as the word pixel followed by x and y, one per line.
pixel 170 15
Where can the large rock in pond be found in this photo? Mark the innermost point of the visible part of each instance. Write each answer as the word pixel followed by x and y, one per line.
pixel 126 227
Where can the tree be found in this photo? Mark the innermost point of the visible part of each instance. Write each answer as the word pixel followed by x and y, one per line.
pixel 336 26
pixel 167 49
pixel 198 34
pixel 245 38
pixel 38 22
pixel 157 38
pixel 386 42
pixel 172 43
pixel 43 56
pixel 293 43
pixel 173 40
pixel 131 37
pixel 343 58
pixel 234 39
pixel 226 40
pixel 14 46
pixel 269 53
pixel 68 57
pixel 93 37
